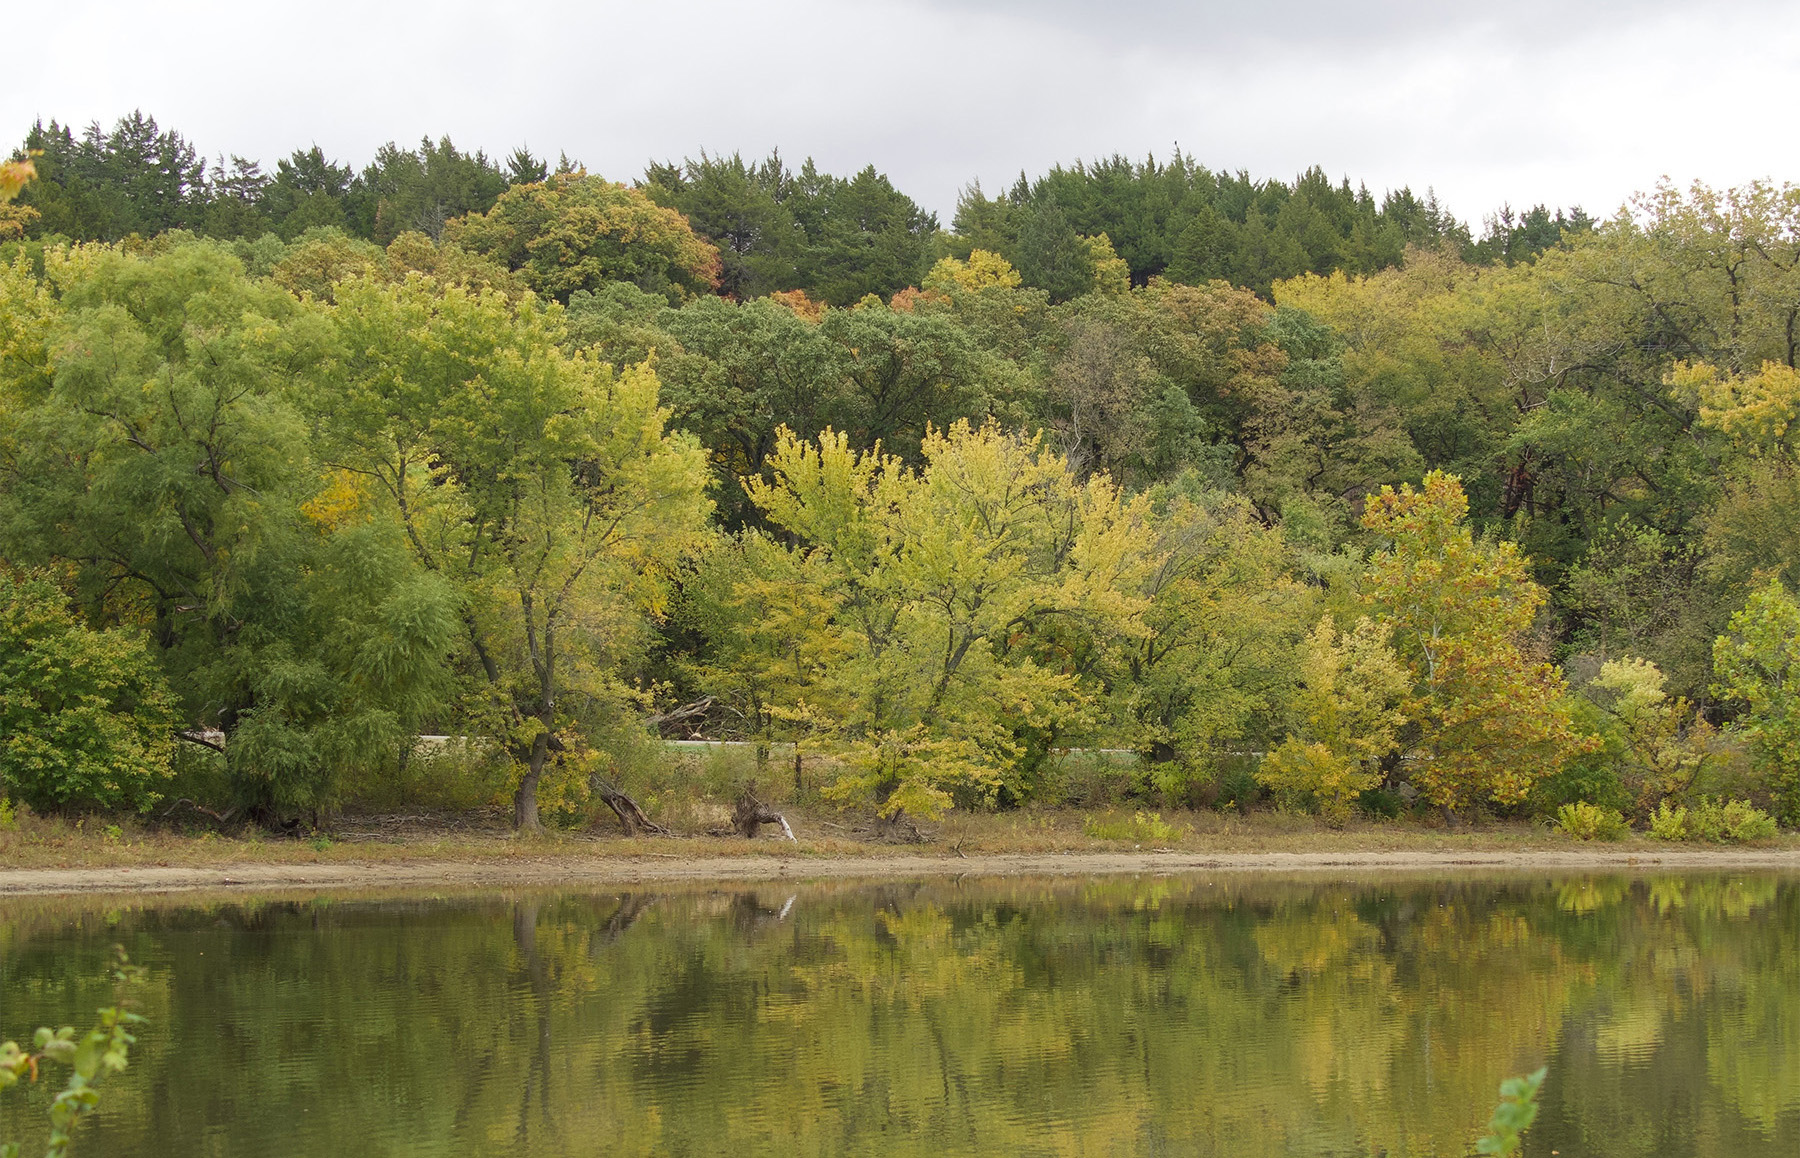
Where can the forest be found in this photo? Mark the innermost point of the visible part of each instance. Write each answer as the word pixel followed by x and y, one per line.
pixel 1301 498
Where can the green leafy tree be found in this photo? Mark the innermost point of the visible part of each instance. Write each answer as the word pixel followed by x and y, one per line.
pixel 1654 745
pixel 742 208
pixel 539 485
pixel 736 374
pixel 1216 655
pixel 1050 255
pixel 308 191
pixel 86 720
pixel 863 236
pixel 419 190
pixel 104 185
pixel 154 448
pixel 763 614
pixel 1757 662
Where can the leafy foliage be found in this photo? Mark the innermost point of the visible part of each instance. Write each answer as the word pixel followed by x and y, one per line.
pixel 1758 665
pixel 1517 1110
pixel 105 1049
pixel 157 451
pixel 540 489
pixel 86 720
pixel 1490 721
pixel 575 232
pixel 973 597
pixel 1349 708
pixel 384 363
pixel 1585 821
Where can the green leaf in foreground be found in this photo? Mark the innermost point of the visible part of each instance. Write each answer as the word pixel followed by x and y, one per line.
pixel 1517 1110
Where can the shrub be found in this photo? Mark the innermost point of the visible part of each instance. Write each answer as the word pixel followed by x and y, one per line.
pixel 1585 821
pixel 1141 828
pixel 1706 821
pixel 1715 820
pixel 1669 822
pixel 1302 774
pixel 1381 804
pixel 1746 824
pixel 85 718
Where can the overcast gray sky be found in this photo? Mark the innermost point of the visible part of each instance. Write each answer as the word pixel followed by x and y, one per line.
pixel 1561 101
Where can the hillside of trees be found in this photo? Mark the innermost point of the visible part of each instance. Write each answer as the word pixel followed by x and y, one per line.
pixel 1309 498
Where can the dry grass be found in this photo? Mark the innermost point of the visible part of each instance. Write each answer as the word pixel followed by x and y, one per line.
pixel 35 842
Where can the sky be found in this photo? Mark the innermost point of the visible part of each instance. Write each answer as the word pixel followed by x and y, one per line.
pixel 1557 101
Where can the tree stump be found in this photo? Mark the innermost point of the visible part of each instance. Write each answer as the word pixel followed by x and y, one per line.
pixel 751 814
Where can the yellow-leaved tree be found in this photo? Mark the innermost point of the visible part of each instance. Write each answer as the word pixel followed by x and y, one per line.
pixel 972 599
pixel 1489 720
pixel 1349 709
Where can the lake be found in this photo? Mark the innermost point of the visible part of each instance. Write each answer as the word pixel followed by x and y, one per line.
pixel 1203 1015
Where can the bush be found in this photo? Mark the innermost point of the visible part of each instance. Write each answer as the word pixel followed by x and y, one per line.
pixel 85 718
pixel 1141 828
pixel 1312 775
pixel 1720 822
pixel 1585 821
pixel 1758 665
pixel 1745 824
pixel 1381 804
pixel 1090 779
pixel 1669 822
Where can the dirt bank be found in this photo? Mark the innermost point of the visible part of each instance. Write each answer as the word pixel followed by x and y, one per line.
pixel 586 870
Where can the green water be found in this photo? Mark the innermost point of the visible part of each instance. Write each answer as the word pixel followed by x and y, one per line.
pixel 1176 1016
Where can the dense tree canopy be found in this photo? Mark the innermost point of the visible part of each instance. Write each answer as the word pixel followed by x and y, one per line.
pixel 1295 492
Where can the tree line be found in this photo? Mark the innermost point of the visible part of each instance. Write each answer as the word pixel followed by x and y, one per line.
pixel 1398 520
pixel 778 228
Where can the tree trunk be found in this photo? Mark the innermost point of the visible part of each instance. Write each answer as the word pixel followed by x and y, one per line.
pixel 525 802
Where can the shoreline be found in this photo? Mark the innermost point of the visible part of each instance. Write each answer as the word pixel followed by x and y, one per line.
pixel 579 870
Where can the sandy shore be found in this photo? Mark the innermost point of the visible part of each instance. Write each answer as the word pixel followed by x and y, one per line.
pixel 589 870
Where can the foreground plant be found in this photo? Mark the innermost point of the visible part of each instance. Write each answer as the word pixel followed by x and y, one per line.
pixel 102 1050
pixel 1517 1110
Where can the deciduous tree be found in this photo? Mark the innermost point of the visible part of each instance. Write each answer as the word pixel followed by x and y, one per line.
pixel 1489 720
pixel 540 485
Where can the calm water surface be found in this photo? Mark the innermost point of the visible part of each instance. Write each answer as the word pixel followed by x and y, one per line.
pixel 1177 1016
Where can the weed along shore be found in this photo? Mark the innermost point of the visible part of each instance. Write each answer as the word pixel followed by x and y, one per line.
pixel 51 857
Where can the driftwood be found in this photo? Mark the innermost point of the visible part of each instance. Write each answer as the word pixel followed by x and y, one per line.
pixel 630 813
pixel 682 714
pixel 751 814
pixel 220 817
